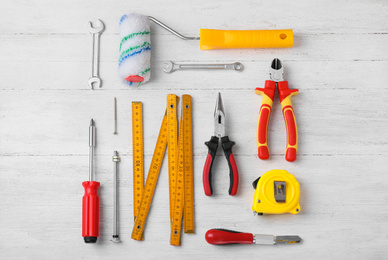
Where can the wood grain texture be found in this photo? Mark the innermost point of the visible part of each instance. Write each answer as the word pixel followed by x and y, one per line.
pixel 339 64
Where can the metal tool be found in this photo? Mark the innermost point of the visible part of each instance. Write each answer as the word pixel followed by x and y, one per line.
pixel 225 236
pixel 95 80
pixel 90 200
pixel 171 66
pixel 115 111
pixel 116 160
pixel 268 92
pixel 219 134
pixel 171 30
pixel 92 145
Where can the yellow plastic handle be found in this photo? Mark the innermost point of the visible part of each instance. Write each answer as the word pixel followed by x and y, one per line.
pixel 233 39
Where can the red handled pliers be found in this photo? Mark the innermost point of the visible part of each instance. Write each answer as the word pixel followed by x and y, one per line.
pixel 285 94
pixel 219 134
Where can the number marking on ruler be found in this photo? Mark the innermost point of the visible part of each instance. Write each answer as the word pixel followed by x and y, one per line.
pixel 152 179
pixel 172 139
pixel 188 218
pixel 138 162
pixel 180 168
pixel 176 225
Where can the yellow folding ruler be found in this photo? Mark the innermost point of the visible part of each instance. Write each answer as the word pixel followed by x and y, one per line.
pixel 180 164
pixel 188 164
pixel 183 196
pixel 138 162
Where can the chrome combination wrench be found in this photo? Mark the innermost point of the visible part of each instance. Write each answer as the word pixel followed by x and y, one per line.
pixel 171 66
pixel 95 80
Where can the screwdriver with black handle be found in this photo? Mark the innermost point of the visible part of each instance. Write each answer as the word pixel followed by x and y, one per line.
pixel 90 200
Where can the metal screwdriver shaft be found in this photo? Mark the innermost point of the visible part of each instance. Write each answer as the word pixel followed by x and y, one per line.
pixel 116 160
pixel 92 145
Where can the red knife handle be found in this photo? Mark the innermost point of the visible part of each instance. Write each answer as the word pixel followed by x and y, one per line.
pixel 233 171
pixel 224 236
pixel 285 95
pixel 212 146
pixel 90 211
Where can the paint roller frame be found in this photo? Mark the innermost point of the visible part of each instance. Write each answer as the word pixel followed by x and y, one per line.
pixel 233 39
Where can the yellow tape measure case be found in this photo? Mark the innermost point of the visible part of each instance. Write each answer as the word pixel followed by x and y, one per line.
pixel 276 192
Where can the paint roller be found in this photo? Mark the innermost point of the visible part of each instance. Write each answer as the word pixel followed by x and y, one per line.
pixel 135 44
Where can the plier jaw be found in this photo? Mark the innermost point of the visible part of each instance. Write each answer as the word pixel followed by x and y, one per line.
pixel 219 118
pixel 276 71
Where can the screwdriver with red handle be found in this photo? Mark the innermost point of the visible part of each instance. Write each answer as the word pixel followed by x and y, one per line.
pixel 225 236
pixel 212 145
pixel 90 200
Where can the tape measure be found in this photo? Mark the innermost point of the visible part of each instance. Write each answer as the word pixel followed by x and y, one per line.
pixel 276 192
pixel 138 162
pixel 180 165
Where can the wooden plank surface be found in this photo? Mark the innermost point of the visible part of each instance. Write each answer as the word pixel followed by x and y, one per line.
pixel 339 64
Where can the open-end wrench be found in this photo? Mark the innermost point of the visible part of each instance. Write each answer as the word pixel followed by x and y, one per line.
pixel 95 32
pixel 171 66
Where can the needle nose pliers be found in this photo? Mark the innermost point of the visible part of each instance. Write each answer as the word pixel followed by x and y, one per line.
pixel 219 134
pixel 285 94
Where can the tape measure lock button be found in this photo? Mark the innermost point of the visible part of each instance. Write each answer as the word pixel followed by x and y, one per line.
pixel 276 192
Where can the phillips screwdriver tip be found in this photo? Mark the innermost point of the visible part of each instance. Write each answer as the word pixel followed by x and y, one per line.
pixel 91 122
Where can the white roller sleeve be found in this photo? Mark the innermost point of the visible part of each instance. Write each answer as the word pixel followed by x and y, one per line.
pixel 135 49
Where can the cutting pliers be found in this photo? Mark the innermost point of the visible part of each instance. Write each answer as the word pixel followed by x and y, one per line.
pixel 285 94
pixel 219 134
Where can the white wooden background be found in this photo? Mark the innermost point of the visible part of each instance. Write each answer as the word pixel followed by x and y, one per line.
pixel 339 63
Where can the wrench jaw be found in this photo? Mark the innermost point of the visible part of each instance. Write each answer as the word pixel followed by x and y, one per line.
pixel 94 82
pixel 99 29
pixel 169 68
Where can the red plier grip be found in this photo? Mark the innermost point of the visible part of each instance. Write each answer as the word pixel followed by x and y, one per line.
pixel 285 95
pixel 212 146
pixel 268 93
pixel 233 171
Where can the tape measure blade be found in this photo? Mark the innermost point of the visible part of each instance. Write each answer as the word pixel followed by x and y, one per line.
pixel 189 224
pixel 172 140
pixel 137 149
pixel 152 179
